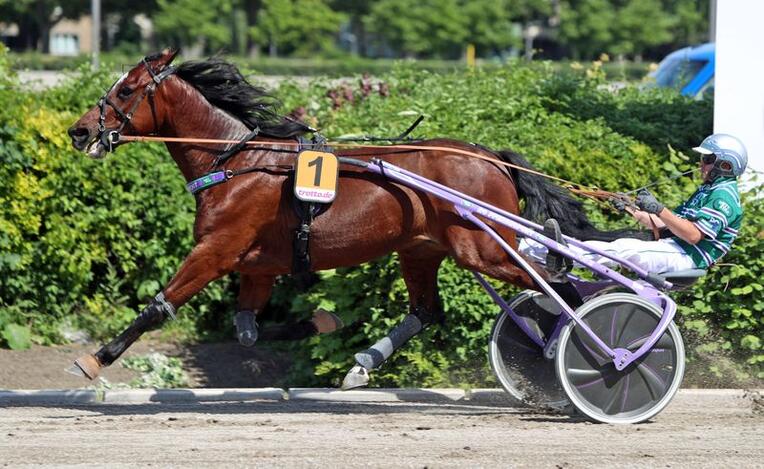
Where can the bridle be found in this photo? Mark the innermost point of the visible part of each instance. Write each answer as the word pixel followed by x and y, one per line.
pixel 109 137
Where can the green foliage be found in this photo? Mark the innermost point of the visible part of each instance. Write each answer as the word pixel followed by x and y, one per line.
pixel 414 29
pixel 297 27
pixel 630 27
pixel 157 371
pixel 642 24
pixel 588 27
pixel 17 337
pixel 582 29
pixel 191 23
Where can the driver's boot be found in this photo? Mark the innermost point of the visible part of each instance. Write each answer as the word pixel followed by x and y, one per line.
pixel 557 265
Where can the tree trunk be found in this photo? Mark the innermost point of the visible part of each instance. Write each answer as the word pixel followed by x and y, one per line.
pixel 251 9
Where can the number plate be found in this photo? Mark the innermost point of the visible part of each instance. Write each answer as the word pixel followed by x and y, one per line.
pixel 316 176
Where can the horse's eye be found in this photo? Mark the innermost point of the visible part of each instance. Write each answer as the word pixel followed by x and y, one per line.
pixel 124 92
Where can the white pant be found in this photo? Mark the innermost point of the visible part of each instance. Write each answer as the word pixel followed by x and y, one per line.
pixel 664 255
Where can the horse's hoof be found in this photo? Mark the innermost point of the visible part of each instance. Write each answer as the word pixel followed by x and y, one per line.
pixel 357 377
pixel 247 338
pixel 326 322
pixel 246 328
pixel 87 366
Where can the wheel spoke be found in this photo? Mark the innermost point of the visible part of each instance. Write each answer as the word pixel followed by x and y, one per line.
pixel 579 376
pixel 615 396
pixel 510 340
pixel 664 342
pixel 625 325
pixel 654 382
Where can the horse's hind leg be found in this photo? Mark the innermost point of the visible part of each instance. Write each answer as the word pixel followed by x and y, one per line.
pixel 476 250
pixel 420 272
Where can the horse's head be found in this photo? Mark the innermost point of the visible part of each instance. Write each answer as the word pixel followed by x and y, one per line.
pixel 124 109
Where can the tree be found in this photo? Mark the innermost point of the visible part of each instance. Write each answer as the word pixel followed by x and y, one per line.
pixel 419 29
pixel 692 21
pixel 489 25
pixel 35 18
pixel 586 26
pixel 641 24
pixel 196 26
pixel 300 27
pixel 356 10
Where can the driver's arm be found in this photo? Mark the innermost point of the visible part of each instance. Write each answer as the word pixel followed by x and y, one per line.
pixel 684 229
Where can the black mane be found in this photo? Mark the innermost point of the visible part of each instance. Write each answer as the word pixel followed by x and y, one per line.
pixel 225 87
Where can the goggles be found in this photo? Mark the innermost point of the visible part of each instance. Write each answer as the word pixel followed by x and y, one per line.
pixel 708 159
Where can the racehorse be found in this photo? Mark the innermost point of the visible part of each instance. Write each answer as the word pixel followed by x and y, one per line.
pixel 247 224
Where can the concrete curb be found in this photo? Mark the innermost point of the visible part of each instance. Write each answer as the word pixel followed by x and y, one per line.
pixel 377 395
pixel 49 397
pixel 686 399
pixel 186 396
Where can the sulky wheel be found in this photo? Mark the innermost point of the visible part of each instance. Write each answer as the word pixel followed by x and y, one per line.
pixel 590 379
pixel 517 361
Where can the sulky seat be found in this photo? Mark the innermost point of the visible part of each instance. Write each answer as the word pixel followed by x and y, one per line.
pixel 683 278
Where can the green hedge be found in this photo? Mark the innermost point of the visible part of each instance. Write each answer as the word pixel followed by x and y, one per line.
pixel 84 243
pixel 621 71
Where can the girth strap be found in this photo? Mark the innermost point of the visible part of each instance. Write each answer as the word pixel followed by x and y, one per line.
pixel 306 212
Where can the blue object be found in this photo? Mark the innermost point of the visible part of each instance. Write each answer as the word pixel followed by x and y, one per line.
pixel 690 70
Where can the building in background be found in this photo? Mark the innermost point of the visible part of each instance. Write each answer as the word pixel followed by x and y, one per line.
pixel 71 37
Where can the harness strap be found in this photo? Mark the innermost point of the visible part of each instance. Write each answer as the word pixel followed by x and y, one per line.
pixel 218 177
pixel 208 180
pixel 223 157
pixel 306 212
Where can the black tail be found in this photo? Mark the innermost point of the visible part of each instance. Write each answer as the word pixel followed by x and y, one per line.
pixel 544 199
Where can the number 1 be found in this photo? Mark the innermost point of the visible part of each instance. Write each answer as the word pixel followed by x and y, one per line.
pixel 318 163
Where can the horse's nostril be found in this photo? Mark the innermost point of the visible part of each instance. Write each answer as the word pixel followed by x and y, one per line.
pixel 79 136
pixel 78 132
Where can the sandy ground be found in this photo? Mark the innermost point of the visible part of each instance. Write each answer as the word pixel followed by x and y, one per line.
pixel 689 433
pixel 223 364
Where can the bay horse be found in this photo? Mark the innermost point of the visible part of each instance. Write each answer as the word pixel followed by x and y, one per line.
pixel 247 224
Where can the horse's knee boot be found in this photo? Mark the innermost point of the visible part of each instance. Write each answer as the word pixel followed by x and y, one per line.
pixel 374 356
pixel 246 327
pixel 152 316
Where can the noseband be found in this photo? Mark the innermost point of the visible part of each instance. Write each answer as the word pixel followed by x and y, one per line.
pixel 109 137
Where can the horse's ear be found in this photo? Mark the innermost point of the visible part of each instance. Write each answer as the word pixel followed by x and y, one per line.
pixel 168 55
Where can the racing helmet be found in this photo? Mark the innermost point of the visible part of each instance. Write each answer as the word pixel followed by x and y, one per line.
pixel 731 155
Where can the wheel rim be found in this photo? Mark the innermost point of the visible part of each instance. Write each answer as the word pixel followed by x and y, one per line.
pixel 518 362
pixel 590 379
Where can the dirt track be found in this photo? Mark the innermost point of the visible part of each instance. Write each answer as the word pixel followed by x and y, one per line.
pixel 320 434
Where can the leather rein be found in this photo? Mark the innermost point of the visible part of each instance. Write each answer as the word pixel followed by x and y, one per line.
pixel 586 191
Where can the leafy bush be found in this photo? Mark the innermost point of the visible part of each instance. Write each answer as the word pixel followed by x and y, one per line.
pixel 87 242
pixel 157 371
pixel 84 242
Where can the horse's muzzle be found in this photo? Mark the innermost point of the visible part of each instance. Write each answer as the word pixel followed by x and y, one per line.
pixel 80 137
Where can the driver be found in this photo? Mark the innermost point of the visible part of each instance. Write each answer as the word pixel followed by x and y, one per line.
pixel 702 229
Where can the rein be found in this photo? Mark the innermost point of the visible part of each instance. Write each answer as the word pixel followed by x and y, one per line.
pixel 585 191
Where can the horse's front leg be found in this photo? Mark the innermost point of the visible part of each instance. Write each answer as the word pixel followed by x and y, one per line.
pixel 206 262
pixel 254 292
